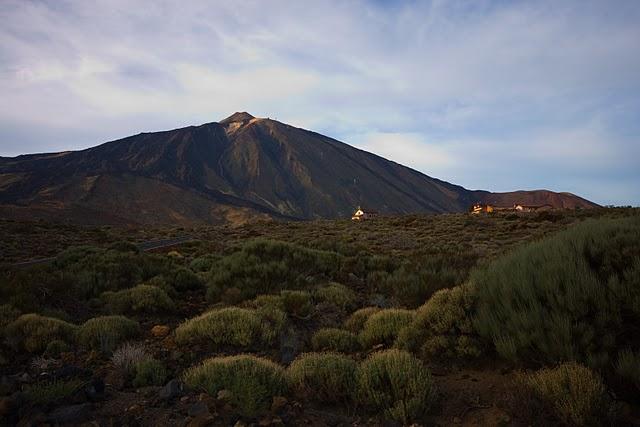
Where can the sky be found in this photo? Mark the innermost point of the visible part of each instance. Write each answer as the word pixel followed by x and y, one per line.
pixel 497 95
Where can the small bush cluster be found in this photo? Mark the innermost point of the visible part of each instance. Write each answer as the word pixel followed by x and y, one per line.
pixel 396 383
pixel 333 339
pixel 32 332
pixel 572 296
pixel 336 294
pixel 50 392
pixel 628 367
pixel 127 356
pixel 325 377
pixel 105 333
pixel 183 279
pixel 383 327
pixel 252 381
pixel 443 326
pixel 265 266
pixel 296 303
pixel 140 299
pixel 56 347
pixel 576 393
pixel 233 326
pixel 358 318
pixel 411 285
pixel 149 372
pixel 7 315
pixel 204 263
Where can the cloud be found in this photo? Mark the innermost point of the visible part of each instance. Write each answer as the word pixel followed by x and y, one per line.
pixel 409 149
pixel 451 88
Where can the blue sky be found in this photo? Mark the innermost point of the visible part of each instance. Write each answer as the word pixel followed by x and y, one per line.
pixel 497 95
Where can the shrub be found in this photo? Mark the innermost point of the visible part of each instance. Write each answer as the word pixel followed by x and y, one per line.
pixel 264 266
pixel 411 285
pixel 335 340
pixel 443 327
pixel 32 332
pixel 628 367
pixel 383 327
pixel 296 303
pixel 273 322
pixel 272 301
pixel 93 271
pixel 183 279
pixel 50 392
pixel 234 326
pixel 252 381
pixel 7 315
pixel 56 347
pixel 326 377
pixel 106 332
pixel 356 321
pixel 572 296
pixel 141 299
pixel 576 393
pixel 336 294
pixel 397 384
pixel 204 263
pixel 149 372
pixel 127 356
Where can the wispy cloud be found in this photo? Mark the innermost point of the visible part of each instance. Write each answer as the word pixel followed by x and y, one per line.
pixel 487 94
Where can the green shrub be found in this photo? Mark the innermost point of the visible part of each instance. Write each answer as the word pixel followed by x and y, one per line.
pixel 56 347
pixel 397 384
pixel 7 315
pixel 183 279
pixel 296 303
pixel 274 321
pixel 272 301
pixel 572 296
pixel 336 294
pixel 411 285
pixel 93 271
pixel 628 367
pixel 443 327
pixel 252 381
pixel 264 267
pixel 149 372
pixel 325 377
pixel 576 393
pixel 55 313
pixel 204 263
pixel 161 282
pixel 383 327
pixel 141 299
pixel 51 392
pixel 105 333
pixel 356 321
pixel 233 326
pixel 331 339
pixel 32 332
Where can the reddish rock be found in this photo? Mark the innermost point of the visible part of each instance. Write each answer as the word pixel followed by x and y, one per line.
pixel 160 331
pixel 279 402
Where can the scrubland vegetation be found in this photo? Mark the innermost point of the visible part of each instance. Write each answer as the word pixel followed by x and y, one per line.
pixel 373 323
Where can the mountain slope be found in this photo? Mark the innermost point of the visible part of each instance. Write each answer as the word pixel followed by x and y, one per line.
pixel 232 171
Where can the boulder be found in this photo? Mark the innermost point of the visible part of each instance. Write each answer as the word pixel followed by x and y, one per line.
pixel 160 331
pixel 171 390
pixel 198 409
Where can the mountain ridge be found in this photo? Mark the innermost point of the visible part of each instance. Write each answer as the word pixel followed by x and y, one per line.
pixel 235 170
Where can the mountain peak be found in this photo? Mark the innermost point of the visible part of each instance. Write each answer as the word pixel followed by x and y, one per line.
pixel 238 117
